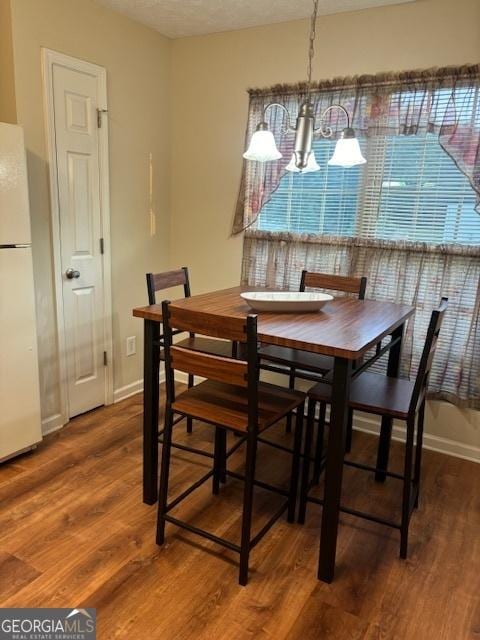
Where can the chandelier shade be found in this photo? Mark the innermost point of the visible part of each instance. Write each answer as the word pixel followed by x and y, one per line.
pixel 311 164
pixel 262 147
pixel 347 151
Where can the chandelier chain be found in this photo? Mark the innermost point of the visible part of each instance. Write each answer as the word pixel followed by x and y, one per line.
pixel 311 48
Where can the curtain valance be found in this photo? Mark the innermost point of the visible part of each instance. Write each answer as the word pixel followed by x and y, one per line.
pixel 444 101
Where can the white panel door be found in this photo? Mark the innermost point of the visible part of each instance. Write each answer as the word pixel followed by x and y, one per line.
pixel 14 210
pixel 77 151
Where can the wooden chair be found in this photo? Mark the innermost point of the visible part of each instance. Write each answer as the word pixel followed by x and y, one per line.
pixel 303 364
pixel 384 396
pixel 180 278
pixel 233 399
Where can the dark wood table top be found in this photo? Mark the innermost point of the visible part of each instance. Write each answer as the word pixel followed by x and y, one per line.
pixel 345 327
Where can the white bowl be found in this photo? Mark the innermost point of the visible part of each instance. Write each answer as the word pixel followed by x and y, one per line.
pixel 285 301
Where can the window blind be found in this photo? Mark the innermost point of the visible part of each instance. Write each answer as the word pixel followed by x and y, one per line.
pixel 324 201
pixel 410 189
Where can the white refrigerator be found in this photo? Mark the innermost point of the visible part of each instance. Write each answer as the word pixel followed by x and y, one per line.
pixel 20 422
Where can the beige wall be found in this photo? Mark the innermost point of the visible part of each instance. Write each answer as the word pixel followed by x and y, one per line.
pixel 197 146
pixel 209 107
pixel 8 111
pixel 138 67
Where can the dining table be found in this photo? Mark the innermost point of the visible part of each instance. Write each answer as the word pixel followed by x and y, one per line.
pixel 352 331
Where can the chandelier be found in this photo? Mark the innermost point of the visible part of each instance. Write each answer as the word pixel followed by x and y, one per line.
pixel 263 148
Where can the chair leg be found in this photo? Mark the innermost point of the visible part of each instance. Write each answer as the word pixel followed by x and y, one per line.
pixel 297 448
pixel 291 385
pixel 217 461
pixel 247 506
pixel 418 452
pixel 407 488
pixel 348 446
pixel 383 449
pixel 189 420
pixel 223 450
pixel 306 461
pixel 164 475
pixel 317 468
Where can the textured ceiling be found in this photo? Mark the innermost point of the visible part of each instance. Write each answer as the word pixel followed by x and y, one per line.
pixel 179 18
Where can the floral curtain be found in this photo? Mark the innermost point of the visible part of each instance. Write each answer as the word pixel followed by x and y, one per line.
pixel 442 101
pixel 408 273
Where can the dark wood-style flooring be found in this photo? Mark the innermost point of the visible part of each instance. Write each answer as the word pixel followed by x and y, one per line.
pixel 74 532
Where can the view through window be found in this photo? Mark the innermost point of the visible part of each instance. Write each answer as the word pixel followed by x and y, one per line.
pixel 410 189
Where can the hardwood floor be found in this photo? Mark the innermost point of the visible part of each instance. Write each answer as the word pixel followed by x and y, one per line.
pixel 74 532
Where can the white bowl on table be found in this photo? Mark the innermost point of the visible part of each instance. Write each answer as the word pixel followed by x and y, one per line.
pixel 286 301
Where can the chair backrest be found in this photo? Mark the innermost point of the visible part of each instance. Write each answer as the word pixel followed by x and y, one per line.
pixel 167 280
pixel 428 353
pixel 333 283
pixel 242 373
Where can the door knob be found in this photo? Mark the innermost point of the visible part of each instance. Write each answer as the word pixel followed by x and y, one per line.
pixel 72 273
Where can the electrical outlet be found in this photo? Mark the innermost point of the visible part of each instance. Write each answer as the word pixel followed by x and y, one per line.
pixel 131 346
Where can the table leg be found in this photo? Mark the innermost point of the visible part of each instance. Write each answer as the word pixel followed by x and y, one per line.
pixel 334 467
pixel 393 369
pixel 151 362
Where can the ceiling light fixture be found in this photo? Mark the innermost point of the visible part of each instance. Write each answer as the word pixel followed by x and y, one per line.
pixel 262 147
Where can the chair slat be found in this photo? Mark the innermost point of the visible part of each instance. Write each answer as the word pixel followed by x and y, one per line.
pixel 333 282
pixel 226 327
pixel 209 366
pixel 167 279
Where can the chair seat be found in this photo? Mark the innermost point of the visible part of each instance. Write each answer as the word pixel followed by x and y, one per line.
pixel 205 345
pixel 373 393
pixel 301 360
pixel 227 405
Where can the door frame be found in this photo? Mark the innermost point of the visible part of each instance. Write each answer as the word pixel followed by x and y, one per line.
pixel 50 58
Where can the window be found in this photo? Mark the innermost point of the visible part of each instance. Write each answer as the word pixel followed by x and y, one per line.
pixel 410 189
pixel 406 220
pixel 324 201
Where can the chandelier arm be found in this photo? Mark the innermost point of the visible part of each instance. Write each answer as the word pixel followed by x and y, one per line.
pixel 286 128
pixel 325 131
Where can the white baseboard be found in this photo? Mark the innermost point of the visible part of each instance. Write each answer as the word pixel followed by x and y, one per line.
pixel 132 389
pixel 57 420
pixel 127 391
pixel 183 377
pixel 434 443
pixel 53 423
